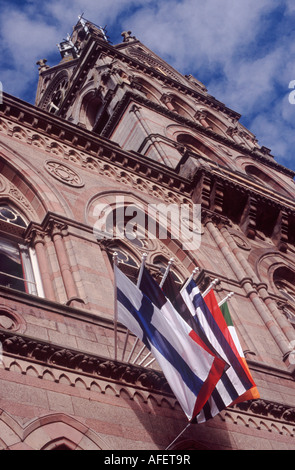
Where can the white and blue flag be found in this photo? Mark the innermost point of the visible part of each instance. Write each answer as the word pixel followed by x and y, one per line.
pixel 190 367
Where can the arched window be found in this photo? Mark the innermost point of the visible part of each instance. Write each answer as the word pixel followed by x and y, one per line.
pixel 18 265
pixel 284 280
pixel 262 177
pixel 126 260
pixel 215 124
pixel 162 263
pixel 132 232
pixel 145 87
pixel 58 91
pixel 7 214
pixel 180 107
pixel 191 143
pixel 93 116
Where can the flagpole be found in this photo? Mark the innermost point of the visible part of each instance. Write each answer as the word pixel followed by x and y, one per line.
pixel 144 257
pixel 115 261
pixel 190 278
pixel 143 260
pixel 170 263
pixel 149 363
pixel 225 299
pixel 213 283
pixel 140 352
pixel 180 434
pixel 145 358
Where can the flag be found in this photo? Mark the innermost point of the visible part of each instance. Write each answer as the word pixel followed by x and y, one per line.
pixel 185 308
pixel 190 368
pixel 152 290
pixel 253 393
pixel 236 381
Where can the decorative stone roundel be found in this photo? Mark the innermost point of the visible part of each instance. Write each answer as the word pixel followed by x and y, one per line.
pixel 64 173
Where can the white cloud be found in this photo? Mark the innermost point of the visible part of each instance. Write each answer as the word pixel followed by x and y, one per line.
pixel 225 43
pixel 25 40
pixel 203 32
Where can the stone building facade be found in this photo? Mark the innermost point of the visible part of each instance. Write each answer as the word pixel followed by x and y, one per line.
pixel 115 122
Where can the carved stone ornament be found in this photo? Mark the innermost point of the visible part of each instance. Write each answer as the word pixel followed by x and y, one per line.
pixel 15 345
pixel 241 241
pixel 6 322
pixel 64 173
pixel 10 321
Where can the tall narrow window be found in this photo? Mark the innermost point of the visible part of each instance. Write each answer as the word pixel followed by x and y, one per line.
pixel 18 269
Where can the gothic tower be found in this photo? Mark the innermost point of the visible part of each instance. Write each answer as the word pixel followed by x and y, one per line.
pixel 116 125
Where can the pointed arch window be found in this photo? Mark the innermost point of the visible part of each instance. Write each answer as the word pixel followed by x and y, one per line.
pixel 18 265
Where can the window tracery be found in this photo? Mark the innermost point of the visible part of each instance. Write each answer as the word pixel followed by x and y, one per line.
pixel 10 215
pixel 16 258
pixel 57 96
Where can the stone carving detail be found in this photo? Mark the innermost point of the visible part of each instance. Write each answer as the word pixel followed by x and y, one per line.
pixel 7 322
pixel 104 162
pixel 241 241
pixel 18 345
pixel 64 173
pixel 269 409
pixel 48 359
pixel 7 188
pixel 11 321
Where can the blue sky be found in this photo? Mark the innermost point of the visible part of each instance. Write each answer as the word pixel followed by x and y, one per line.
pixel 242 50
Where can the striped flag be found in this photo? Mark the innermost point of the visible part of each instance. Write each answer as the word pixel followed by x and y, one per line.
pixel 236 382
pixel 191 369
pixel 253 393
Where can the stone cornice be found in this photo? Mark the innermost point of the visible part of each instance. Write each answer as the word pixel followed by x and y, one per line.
pixel 33 301
pixel 37 352
pixel 49 354
pixel 64 132
pixel 266 408
pixel 243 184
pixel 46 124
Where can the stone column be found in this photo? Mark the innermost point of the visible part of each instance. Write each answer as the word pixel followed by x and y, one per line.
pixel 167 100
pixel 57 234
pixel 201 117
pixel 236 269
pixel 247 280
pixel 277 323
